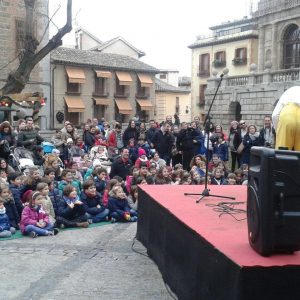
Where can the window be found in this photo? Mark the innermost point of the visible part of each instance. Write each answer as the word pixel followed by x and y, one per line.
pixel 240 57
pixel 142 92
pixel 162 76
pixel 100 86
pixel 73 117
pixel 202 89
pixel 73 88
pixel 121 90
pixel 177 107
pixel 204 65
pixel 291 50
pixel 220 59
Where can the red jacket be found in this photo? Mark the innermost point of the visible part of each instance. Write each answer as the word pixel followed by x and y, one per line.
pixel 112 139
pixel 31 216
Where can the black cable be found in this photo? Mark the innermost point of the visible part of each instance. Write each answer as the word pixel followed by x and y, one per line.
pixel 141 253
pixel 227 208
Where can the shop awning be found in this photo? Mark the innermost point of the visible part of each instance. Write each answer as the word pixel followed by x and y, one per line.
pixel 102 101
pixel 74 104
pixel 145 104
pixel 103 74
pixel 75 75
pixel 145 80
pixel 124 78
pixel 124 106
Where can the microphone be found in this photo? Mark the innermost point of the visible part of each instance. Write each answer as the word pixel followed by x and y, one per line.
pixel 225 72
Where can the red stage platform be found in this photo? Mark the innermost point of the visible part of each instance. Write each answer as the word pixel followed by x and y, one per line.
pixel 203 255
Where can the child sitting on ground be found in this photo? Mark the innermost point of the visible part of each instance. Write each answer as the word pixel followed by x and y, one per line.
pixel 15 182
pixel 10 207
pixel 120 210
pixel 100 180
pixel 43 188
pixel 34 221
pixel 68 178
pixel 71 211
pixel 5 229
pixel 96 212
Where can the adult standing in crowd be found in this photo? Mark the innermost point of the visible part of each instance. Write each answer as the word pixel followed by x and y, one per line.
pixel 131 132
pixel 163 142
pixel 70 133
pixel 250 139
pixel 151 133
pixel 234 142
pixel 122 165
pixel 115 139
pixel 267 134
pixel 89 138
pixel 29 137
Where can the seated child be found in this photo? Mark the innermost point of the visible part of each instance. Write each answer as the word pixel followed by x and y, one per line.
pixel 218 178
pixel 10 207
pixel 43 188
pixel 3 177
pixel 120 210
pixel 34 221
pixel 142 158
pixel 5 229
pixel 68 178
pixel 133 198
pixel 71 211
pixel 231 179
pixel 53 194
pixel 92 202
pixel 100 180
pixel 77 175
pixel 15 182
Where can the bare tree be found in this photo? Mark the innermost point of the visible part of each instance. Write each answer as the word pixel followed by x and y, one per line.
pixel 17 80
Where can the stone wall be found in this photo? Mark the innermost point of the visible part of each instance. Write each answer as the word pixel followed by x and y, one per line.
pixel 254 101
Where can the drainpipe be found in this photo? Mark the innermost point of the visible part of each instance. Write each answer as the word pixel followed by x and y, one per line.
pixel 52 99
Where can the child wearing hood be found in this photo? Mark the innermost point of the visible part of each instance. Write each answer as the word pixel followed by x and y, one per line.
pixel 142 158
pixel 5 229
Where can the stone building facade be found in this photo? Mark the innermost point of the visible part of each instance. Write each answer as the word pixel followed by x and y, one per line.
pixel 12 31
pixel 88 84
pixel 252 96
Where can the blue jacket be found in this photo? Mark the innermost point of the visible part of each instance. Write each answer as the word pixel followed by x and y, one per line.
pixel 17 194
pixel 64 210
pixel 120 206
pixel 90 204
pixel 100 185
pixel 55 197
pixel 12 213
pixel 4 222
pixel 222 151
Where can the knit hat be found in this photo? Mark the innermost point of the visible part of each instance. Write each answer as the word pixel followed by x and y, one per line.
pixel 141 152
pixel 26 196
pixel 69 140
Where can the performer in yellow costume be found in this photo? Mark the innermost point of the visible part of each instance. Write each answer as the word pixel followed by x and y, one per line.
pixel 286 119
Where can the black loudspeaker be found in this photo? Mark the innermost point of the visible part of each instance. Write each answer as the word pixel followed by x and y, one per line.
pixel 273 201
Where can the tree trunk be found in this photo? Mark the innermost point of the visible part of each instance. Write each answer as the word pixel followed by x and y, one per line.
pixel 17 80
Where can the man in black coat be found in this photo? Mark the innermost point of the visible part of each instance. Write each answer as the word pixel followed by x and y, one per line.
pixel 121 166
pixel 163 142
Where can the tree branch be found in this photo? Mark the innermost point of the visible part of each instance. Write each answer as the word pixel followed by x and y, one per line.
pixel 17 80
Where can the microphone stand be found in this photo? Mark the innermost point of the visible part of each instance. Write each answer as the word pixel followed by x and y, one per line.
pixel 207 125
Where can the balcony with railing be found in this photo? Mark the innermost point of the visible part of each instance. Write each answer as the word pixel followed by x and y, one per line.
pixel 218 63
pixel 267 77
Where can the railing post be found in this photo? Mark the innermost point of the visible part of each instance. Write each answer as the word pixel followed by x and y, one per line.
pixel 267 77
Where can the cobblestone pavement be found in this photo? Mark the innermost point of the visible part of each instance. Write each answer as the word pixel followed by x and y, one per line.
pixel 93 263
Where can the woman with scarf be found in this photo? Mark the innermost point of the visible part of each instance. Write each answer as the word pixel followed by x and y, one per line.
pixel 250 139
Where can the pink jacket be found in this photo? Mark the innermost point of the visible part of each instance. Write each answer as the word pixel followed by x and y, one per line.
pixel 30 217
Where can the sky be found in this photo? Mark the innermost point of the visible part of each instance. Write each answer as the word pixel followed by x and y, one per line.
pixel 163 29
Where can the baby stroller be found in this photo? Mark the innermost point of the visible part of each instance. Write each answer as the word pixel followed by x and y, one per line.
pixel 21 159
pixel 100 159
pixel 47 147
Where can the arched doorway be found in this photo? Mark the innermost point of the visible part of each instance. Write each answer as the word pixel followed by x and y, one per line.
pixel 291 47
